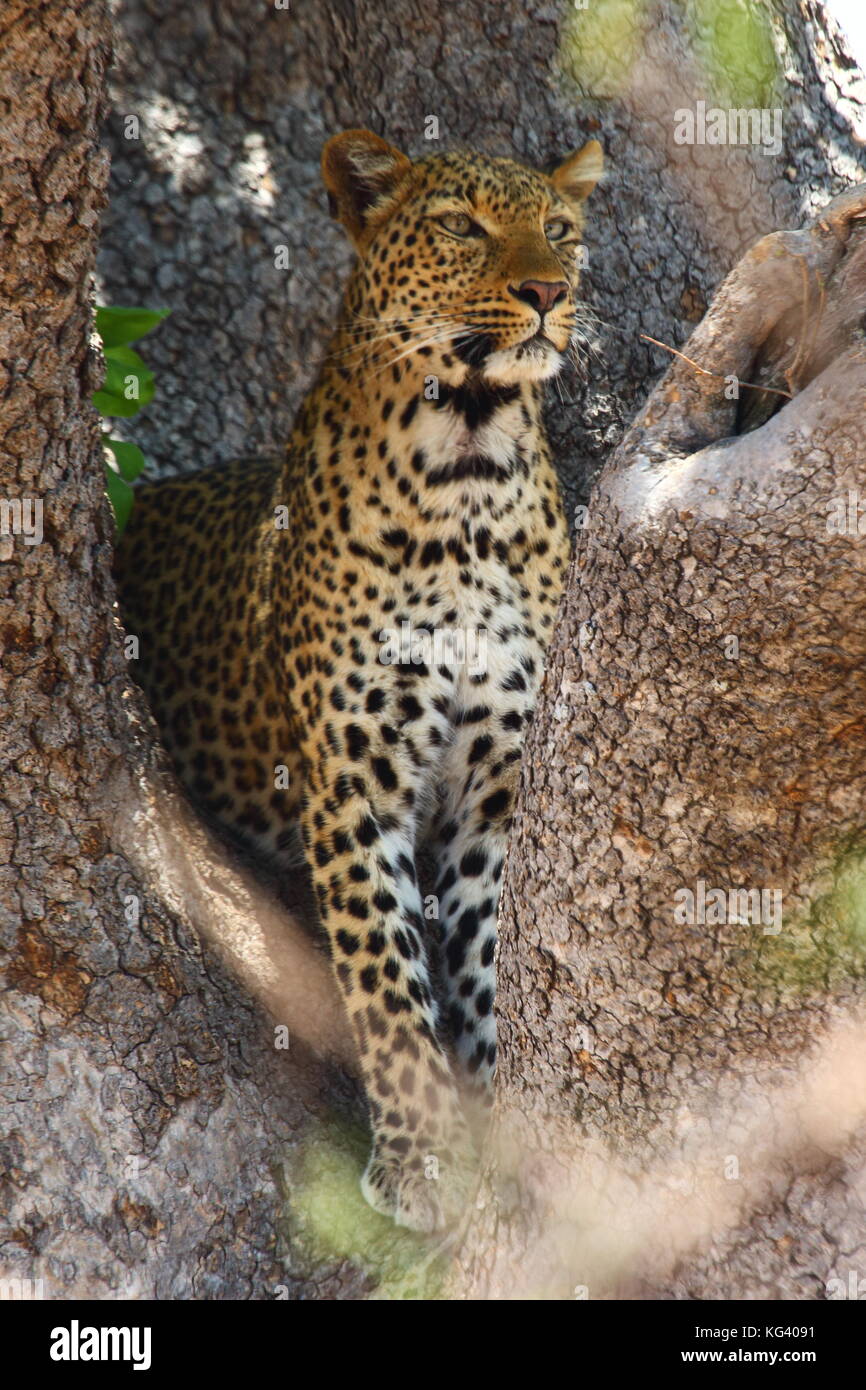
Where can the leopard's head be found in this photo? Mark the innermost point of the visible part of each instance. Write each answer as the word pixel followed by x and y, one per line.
pixel 469 265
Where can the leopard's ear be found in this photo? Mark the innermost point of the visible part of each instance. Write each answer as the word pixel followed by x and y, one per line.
pixel 362 174
pixel 577 177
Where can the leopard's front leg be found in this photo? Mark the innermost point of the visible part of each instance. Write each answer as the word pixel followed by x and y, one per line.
pixel 359 835
pixel 470 841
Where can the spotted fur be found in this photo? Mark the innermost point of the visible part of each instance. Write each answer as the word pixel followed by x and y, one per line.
pixel 417 496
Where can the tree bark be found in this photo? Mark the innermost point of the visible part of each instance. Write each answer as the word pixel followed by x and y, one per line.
pixel 155 1141
pixel 146 1115
pixel 681 1101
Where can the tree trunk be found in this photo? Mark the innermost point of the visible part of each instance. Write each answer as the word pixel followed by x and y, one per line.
pixel 681 1104
pixel 145 1111
pixel 166 1146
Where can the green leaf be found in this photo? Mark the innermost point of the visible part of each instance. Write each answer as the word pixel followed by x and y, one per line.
pixel 130 459
pixel 735 43
pixel 120 495
pixel 128 385
pixel 601 43
pixel 117 326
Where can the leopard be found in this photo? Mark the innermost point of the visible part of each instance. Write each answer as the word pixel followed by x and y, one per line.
pixel 342 646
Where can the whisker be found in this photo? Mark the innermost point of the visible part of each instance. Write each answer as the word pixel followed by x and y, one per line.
pixel 443 336
pixel 373 339
pixel 439 332
pixel 399 326
pixel 440 337
pixel 381 319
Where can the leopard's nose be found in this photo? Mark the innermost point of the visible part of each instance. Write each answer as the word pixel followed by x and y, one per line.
pixel 540 295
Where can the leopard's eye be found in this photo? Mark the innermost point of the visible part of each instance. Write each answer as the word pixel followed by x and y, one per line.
pixel 557 229
pixel 458 224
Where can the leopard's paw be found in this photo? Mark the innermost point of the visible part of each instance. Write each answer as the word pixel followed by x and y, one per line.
pixel 423 1192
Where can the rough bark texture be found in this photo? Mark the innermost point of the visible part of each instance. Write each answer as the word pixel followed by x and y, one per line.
pixel 162 1131
pixel 687 1097
pixel 145 1115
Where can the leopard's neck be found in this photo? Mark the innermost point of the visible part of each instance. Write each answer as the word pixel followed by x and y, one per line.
pixel 406 444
